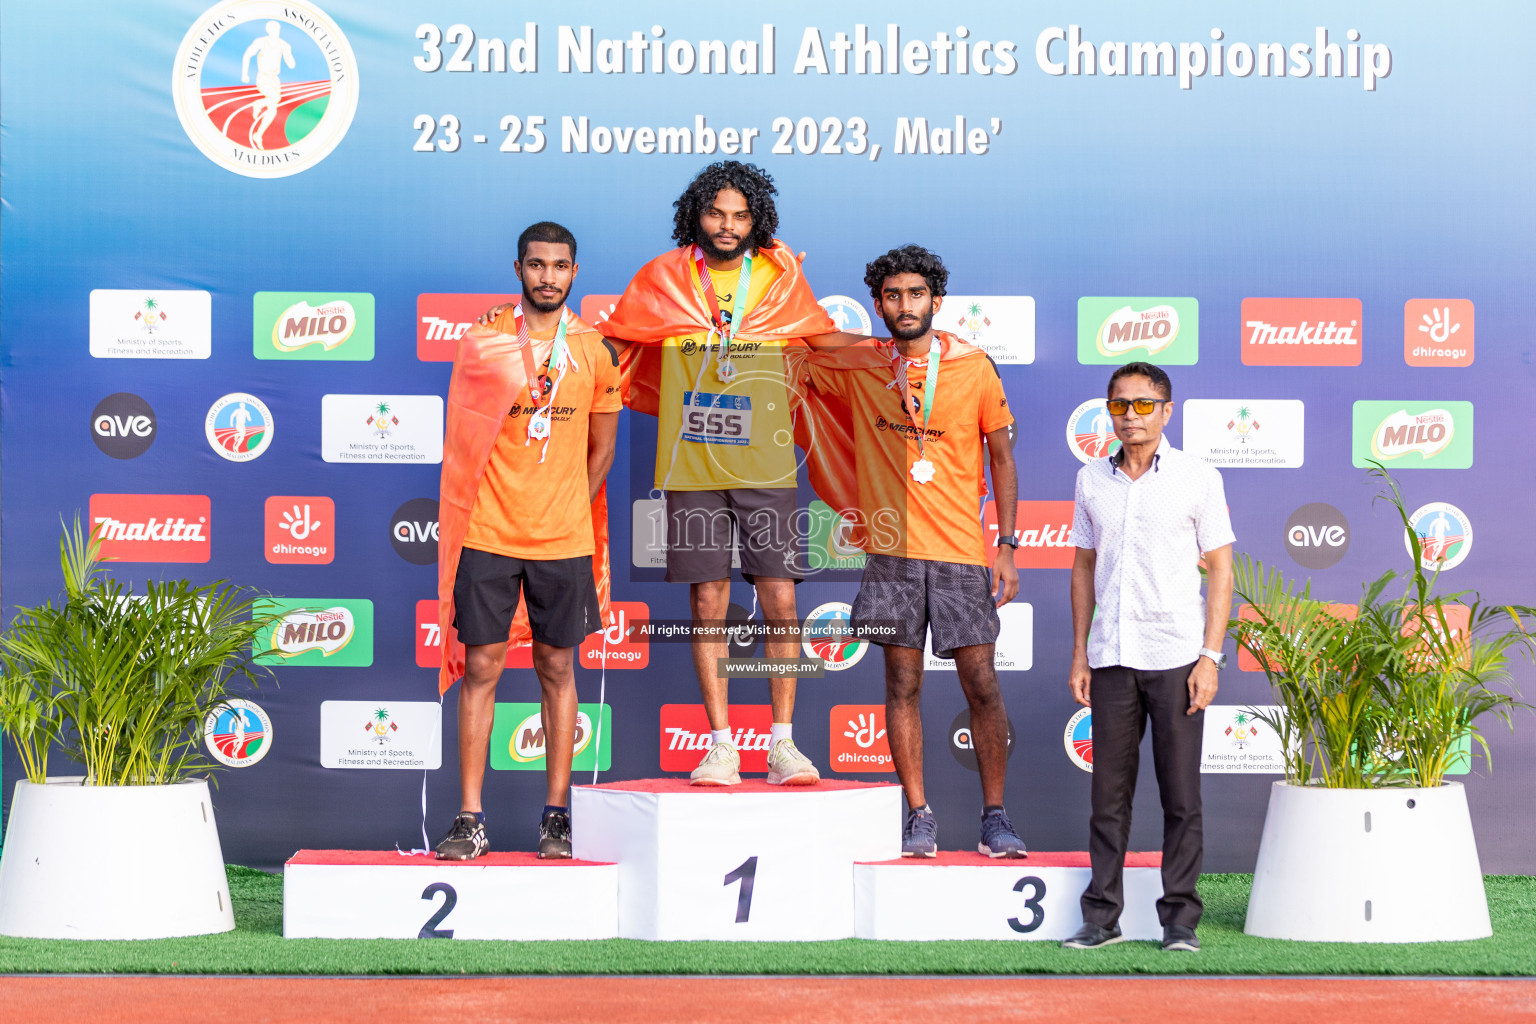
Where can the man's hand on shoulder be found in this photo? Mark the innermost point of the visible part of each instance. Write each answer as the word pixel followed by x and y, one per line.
pixel 490 315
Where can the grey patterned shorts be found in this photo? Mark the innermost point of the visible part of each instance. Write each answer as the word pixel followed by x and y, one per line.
pixel 900 598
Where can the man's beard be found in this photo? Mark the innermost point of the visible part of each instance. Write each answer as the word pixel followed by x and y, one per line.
pixel 923 326
pixel 714 252
pixel 543 307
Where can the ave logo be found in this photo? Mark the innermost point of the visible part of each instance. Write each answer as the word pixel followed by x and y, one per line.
pixel 1316 535
pixel 1044 529
pixel 123 425
pixel 413 531
pixel 300 529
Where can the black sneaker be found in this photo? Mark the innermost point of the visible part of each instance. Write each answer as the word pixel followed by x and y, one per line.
pixel 555 836
pixel 1092 936
pixel 465 841
pixel 1177 937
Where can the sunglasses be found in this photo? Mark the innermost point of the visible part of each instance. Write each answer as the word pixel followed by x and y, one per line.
pixel 1143 406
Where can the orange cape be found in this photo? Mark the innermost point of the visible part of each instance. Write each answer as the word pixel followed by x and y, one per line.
pixel 487 379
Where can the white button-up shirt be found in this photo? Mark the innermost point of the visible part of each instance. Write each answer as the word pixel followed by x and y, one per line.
pixel 1149 534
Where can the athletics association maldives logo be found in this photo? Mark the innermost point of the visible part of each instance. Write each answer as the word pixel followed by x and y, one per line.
pixel 265 89
pixel 238 733
pixel 1445 535
pixel 828 633
pixel 239 427
pixel 1078 739
pixel 1091 432
pixel 848 314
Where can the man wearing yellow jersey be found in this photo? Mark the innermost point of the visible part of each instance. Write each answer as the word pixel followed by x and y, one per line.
pixel 723 306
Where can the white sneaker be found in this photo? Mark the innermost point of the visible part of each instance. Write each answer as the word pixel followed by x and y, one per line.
pixel 788 767
pixel 720 767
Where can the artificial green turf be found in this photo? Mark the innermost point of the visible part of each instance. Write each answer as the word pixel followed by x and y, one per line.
pixel 257 946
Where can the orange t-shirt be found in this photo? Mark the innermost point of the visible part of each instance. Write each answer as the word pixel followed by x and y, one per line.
pixel 940 520
pixel 525 508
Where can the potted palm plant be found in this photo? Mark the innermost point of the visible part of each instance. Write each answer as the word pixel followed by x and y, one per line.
pixel 1365 840
pixel 122 684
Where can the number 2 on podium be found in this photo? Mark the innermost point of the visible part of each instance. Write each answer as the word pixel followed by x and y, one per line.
pixel 745 873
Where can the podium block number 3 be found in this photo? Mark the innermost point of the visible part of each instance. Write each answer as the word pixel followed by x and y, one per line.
pixel 430 930
pixel 1031 904
pixel 745 873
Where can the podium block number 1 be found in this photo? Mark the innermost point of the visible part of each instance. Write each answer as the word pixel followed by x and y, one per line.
pixel 1031 904
pixel 745 873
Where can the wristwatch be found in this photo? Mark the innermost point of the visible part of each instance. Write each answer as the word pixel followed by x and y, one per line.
pixel 1219 658
pixel 1011 540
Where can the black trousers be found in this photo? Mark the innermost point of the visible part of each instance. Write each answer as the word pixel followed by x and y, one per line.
pixel 1124 699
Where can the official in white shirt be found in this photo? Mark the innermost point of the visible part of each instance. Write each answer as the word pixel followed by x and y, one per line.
pixel 1144 516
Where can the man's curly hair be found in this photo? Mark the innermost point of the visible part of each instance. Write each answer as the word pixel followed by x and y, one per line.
pixel 909 259
pixel 748 179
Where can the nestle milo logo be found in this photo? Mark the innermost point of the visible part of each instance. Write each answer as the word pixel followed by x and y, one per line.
pixel 1122 330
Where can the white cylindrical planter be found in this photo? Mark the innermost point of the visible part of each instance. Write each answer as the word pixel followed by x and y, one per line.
pixel 1368 865
pixel 112 862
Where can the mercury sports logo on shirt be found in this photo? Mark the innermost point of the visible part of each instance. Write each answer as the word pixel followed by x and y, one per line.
pixel 1301 332
pixel 443 317
pixel 859 741
pixel 168 323
pixel 827 633
pixel 292 100
pixel 1091 431
pixel 123 425
pixel 518 738
pixel 300 529
pixel 847 313
pixel 152 527
pixel 1268 433
pixel 623 643
pixel 1123 330
pixel 1414 435
pixel 312 325
pixel 1445 535
pixel 239 427
pixel 317 631
pixel 1002 326
pixel 1438 332
pixel 685 735
pixel 1044 529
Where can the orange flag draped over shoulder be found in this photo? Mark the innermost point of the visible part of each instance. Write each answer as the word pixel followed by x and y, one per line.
pixel 487 378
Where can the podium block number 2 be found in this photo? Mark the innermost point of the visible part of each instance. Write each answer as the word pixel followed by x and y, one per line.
pixel 1031 904
pixel 745 873
pixel 430 930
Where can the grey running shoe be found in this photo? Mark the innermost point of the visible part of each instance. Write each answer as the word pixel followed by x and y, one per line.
pixel 1092 936
pixel 555 836
pixel 720 767
pixel 465 841
pixel 920 838
pixel 998 839
pixel 788 767
pixel 1178 937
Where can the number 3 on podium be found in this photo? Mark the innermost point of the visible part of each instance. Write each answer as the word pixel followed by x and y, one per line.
pixel 1031 904
pixel 745 873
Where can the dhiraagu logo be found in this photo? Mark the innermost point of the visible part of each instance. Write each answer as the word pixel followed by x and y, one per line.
pixel 1413 435
pixel 313 325
pixel 1124 330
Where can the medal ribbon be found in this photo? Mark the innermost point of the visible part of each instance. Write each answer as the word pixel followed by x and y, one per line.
pixel 712 301
pixel 930 388
pixel 559 359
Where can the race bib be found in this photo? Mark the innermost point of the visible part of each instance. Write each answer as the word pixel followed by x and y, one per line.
pixel 717 419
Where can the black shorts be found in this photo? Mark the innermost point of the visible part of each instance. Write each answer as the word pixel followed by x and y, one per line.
pixel 560 594
pixel 703 526
pixel 901 598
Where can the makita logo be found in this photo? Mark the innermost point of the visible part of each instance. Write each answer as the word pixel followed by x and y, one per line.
pixel 1301 332
pixel 1044 530
pixel 435 328
pixel 1058 536
pixel 746 739
pixel 685 735
pixel 152 527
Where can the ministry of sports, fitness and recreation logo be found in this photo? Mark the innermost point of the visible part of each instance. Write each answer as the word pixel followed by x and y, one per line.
pixel 848 314
pixel 123 425
pixel 1091 432
pixel 1078 739
pixel 1316 535
pixel 239 426
pixel 265 88
pixel 828 635
pixel 238 733
pixel 1445 535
